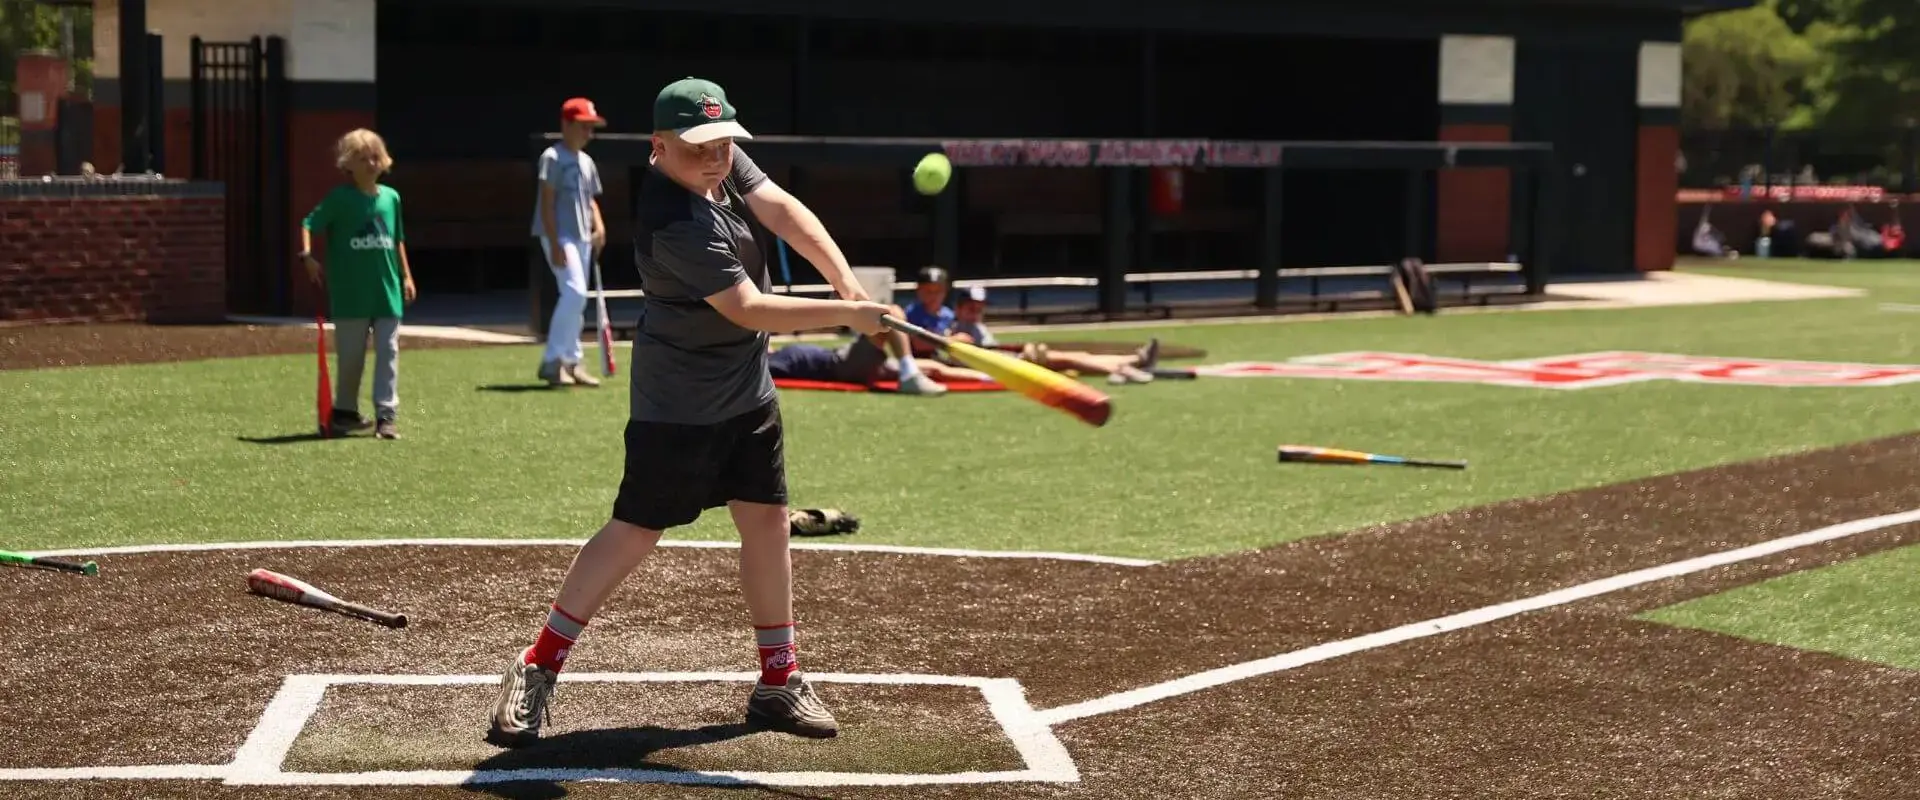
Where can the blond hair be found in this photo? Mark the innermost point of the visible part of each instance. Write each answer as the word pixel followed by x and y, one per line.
pixel 360 143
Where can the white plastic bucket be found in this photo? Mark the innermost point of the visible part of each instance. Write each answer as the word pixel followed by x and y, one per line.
pixel 878 281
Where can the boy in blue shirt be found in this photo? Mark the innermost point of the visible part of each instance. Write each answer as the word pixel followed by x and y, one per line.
pixel 929 309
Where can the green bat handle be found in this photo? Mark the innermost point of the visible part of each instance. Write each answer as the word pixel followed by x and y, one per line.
pixel 23 559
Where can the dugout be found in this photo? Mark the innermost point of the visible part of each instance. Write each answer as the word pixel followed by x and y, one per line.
pixel 457 86
pixel 1128 231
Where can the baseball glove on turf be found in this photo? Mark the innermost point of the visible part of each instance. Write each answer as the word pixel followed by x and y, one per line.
pixel 821 521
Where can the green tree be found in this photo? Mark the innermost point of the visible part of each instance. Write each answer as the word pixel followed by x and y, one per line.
pixel 1873 79
pixel 30 25
pixel 1746 68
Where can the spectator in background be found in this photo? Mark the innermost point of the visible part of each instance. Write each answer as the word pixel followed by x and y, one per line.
pixel 1893 235
pixel 1709 241
pixel 970 326
pixel 929 307
pixel 1854 238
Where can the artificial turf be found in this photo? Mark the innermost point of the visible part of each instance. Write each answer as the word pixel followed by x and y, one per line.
pixel 162 453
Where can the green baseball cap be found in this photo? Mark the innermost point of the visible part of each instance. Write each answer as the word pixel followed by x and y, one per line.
pixel 697 110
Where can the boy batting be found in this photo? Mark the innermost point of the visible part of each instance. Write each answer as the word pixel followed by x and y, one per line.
pixel 704 427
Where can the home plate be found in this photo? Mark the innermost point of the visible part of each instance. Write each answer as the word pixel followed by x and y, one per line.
pixel 680 728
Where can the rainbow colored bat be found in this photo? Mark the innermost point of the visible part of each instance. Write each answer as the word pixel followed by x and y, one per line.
pixel 1331 455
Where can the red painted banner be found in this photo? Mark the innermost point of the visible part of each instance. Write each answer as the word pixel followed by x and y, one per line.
pixel 1110 153
pixel 1581 371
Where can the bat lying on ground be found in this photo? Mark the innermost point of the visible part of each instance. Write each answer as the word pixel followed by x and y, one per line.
pixel 272 584
pixel 22 559
pixel 1032 380
pixel 1329 455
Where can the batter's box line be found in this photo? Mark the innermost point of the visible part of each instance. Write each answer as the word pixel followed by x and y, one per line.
pixel 260 759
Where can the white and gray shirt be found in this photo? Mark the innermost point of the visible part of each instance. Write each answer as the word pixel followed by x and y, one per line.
pixel 576 181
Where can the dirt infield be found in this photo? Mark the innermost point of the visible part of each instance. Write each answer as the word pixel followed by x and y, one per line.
pixel 41 346
pixel 164 659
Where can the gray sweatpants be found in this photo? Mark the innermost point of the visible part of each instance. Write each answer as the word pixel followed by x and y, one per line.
pixel 350 349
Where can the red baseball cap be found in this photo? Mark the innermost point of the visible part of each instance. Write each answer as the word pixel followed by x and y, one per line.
pixel 580 109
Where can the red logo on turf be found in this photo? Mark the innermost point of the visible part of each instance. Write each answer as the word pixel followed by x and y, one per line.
pixel 1585 370
pixel 709 106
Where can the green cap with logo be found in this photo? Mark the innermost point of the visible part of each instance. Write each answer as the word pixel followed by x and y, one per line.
pixel 698 111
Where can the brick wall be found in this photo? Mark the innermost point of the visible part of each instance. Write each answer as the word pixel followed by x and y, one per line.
pixel 111 258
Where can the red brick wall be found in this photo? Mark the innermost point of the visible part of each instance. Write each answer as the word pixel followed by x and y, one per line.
pixel 102 259
pixel 1656 189
pixel 1471 218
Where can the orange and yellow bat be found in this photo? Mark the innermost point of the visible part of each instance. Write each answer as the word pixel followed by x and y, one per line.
pixel 1050 388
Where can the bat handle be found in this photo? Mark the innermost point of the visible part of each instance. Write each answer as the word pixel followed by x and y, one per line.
pixel 911 329
pixel 382 617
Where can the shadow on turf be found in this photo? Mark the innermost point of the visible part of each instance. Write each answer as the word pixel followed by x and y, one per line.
pixel 515 387
pixel 627 747
pixel 290 438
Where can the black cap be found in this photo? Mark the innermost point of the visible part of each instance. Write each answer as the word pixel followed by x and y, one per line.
pixel 933 275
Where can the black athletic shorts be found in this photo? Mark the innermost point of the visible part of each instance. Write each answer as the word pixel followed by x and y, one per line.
pixel 861 361
pixel 676 472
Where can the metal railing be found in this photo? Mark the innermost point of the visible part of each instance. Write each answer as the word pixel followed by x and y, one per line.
pixel 1766 159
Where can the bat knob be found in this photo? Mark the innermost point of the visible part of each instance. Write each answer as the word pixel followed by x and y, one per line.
pixel 90 568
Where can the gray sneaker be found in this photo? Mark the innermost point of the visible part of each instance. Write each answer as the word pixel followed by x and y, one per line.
pixel 555 374
pixel 793 708
pixel 525 690
pixel 579 375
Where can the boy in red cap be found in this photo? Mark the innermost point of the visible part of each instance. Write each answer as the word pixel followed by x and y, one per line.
pixel 567 220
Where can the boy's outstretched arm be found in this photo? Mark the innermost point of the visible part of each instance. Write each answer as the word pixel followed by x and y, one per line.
pixel 791 220
pixel 746 306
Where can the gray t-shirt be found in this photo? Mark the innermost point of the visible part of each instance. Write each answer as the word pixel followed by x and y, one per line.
pixel 576 181
pixel 692 365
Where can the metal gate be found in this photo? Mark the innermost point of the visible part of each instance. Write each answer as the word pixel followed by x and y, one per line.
pixel 240 125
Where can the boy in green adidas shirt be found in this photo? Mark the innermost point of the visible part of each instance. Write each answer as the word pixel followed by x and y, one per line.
pixel 367 279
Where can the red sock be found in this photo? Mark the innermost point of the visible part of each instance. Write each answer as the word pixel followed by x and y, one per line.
pixel 556 639
pixel 778 657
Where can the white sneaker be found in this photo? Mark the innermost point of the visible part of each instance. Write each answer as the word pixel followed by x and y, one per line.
pixel 920 384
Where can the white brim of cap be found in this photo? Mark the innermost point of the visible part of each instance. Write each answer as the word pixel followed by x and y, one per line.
pixel 701 134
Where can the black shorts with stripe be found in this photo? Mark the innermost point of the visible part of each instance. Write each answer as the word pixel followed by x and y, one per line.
pixel 674 472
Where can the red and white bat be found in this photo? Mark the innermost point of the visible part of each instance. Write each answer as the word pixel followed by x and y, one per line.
pixel 268 583
pixel 323 393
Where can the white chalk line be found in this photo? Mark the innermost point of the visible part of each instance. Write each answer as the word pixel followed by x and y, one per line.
pixel 259 760
pixel 1285 661
pixel 891 549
